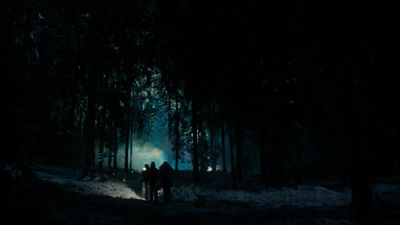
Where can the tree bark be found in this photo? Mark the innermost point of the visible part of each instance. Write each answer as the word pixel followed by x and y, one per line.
pixel 127 130
pixel 211 127
pixel 111 145
pixel 239 153
pixel 115 148
pixel 100 164
pixel 177 133
pixel 90 125
pixel 169 120
pixel 195 153
pixel 361 174
pixel 223 146
pixel 262 152
pixel 233 168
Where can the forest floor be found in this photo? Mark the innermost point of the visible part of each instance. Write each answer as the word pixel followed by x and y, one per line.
pixel 55 195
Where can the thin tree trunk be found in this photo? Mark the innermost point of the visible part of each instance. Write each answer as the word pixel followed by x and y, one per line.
pixel 202 149
pixel 169 120
pixel 127 131
pixel 177 133
pixel 195 156
pixel 131 151
pixel 115 150
pixel 111 145
pixel 90 125
pixel 223 147
pixel 81 122
pixel 233 168
pixel 71 125
pixel 239 153
pixel 132 126
pixel 263 152
pixel 212 150
pixel 101 147
pixel 132 135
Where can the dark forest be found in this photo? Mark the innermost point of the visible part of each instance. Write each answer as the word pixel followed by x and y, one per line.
pixel 240 97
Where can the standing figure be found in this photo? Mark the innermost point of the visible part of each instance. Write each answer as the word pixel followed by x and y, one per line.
pixel 153 182
pixel 166 180
pixel 146 181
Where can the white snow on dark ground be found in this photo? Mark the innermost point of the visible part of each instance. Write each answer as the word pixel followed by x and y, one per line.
pixel 69 180
pixel 212 198
pixel 302 196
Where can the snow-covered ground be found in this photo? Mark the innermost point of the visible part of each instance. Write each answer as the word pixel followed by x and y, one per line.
pixel 69 180
pixel 302 196
pixel 211 200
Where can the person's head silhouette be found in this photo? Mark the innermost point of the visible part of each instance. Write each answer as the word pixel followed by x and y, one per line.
pixel 146 166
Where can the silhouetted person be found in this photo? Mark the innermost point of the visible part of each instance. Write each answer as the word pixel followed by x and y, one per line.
pixel 153 181
pixel 166 180
pixel 146 181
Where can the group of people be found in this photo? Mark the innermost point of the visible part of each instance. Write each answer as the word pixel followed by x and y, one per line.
pixel 155 179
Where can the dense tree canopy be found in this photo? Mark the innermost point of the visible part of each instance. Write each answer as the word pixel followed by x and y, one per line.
pixel 289 80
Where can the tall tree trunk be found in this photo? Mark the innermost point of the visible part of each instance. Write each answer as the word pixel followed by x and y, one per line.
pixel 131 151
pixel 90 125
pixel 111 149
pixel 262 152
pixel 239 152
pixel 101 146
pixel 132 134
pixel 71 124
pixel 195 153
pixel 361 174
pixel 177 133
pixel 81 122
pixel 211 127
pixel 127 130
pixel 115 150
pixel 223 146
pixel 169 120
pixel 361 188
pixel 202 147
pixel 233 168
pixel 132 126
pixel 360 127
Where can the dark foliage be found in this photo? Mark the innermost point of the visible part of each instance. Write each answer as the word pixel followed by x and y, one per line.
pixel 299 82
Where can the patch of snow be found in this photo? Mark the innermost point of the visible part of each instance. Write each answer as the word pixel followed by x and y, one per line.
pixel 110 188
pixel 303 196
pixel 88 186
pixel 184 194
pixel 386 188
